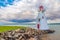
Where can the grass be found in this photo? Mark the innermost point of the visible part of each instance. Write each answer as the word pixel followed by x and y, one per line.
pixel 7 28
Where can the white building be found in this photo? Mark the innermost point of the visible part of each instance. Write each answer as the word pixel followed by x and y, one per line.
pixel 41 20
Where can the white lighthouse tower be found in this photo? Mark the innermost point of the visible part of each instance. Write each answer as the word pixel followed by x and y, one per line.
pixel 41 19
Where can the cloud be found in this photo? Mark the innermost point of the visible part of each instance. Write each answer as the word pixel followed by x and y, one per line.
pixel 54 21
pixel 54 11
pixel 19 10
pixel 27 9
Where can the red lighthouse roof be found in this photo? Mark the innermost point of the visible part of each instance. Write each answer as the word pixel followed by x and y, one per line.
pixel 41 8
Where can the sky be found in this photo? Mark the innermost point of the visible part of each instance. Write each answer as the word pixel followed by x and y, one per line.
pixel 19 11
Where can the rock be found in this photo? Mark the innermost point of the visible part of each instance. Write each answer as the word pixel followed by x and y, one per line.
pixel 32 39
pixel 20 31
pixel 47 31
pixel 2 39
pixel 21 34
pixel 50 31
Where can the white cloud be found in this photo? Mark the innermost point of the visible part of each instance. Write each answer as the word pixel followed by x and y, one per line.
pixel 22 8
pixel 28 9
pixel 54 21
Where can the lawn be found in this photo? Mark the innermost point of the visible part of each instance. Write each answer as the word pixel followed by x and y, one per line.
pixel 7 28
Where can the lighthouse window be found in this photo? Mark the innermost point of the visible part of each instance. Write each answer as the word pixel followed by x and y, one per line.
pixel 42 17
pixel 39 19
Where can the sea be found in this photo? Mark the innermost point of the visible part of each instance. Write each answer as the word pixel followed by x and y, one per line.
pixel 56 34
pixel 52 26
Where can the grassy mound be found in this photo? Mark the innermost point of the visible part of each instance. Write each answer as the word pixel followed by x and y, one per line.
pixel 7 28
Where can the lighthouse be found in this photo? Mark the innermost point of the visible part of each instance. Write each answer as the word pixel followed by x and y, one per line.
pixel 41 19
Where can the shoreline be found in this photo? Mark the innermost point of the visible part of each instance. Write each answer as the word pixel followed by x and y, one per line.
pixel 24 34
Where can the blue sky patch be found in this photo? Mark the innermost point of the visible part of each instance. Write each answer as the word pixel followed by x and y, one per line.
pixel 3 3
pixel 10 2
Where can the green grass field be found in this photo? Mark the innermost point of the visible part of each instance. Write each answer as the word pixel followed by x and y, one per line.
pixel 7 28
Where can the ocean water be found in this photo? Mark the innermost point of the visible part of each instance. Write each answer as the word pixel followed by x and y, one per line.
pixel 56 34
